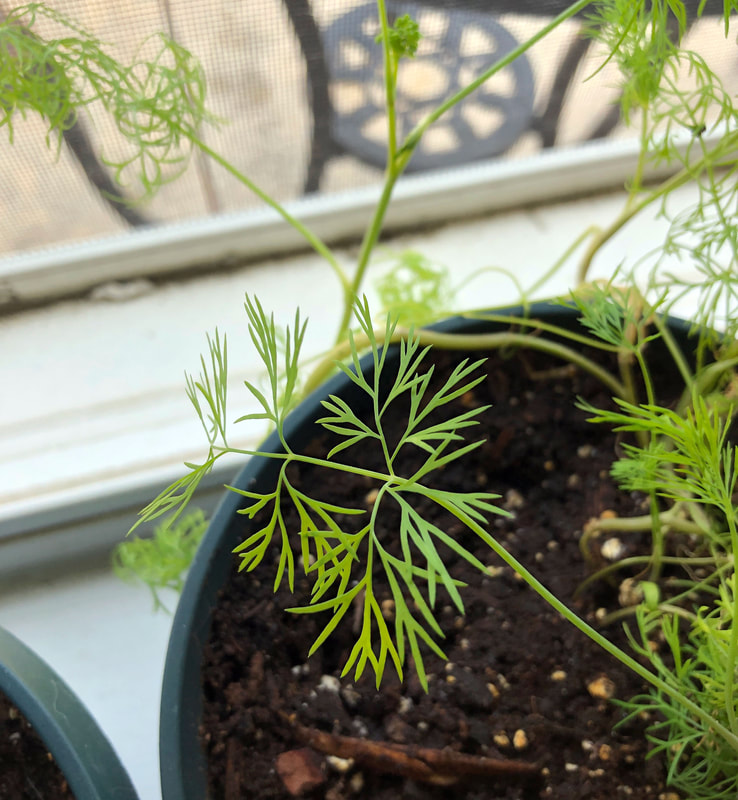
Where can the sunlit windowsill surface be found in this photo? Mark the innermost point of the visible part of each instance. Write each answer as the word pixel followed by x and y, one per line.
pixel 93 408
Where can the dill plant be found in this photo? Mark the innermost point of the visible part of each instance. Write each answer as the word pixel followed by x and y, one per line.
pixel 161 561
pixel 681 458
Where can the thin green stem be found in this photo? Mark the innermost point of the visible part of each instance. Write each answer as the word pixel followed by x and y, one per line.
pixel 675 351
pixel 398 160
pixel 312 239
pixel 318 462
pixel 657 539
pixel 593 230
pixel 637 561
pixel 646 374
pixel 733 643
pixel 351 290
pixel 418 131
pixel 669 518
pixel 546 327
pixel 390 82
pixel 631 209
pixel 636 183
pixel 664 608
pixel 458 341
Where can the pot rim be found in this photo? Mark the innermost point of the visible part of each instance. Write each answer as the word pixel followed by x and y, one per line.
pixel 71 734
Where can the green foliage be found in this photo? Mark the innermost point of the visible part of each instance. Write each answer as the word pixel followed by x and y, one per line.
pixel 161 561
pixel 687 457
pixel 352 567
pixel 681 457
pixel 699 662
pixel 415 291
pixel 404 37
pixel 615 314
pixel 157 102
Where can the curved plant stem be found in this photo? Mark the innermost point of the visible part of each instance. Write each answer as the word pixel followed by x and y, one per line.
pixel 351 290
pixel 312 239
pixel 460 341
pixel 593 230
pixel 664 608
pixel 636 561
pixel 633 207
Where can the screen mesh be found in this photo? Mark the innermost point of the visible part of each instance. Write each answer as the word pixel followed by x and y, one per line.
pixel 297 86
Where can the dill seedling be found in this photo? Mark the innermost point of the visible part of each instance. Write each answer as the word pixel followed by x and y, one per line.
pixel 160 562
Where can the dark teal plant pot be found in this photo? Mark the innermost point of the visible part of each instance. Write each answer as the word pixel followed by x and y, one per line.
pixel 80 749
pixel 183 768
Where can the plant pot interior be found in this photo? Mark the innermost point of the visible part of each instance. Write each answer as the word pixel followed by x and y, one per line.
pixel 27 768
pixel 520 684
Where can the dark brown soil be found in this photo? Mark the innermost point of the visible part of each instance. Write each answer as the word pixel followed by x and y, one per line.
pixel 520 682
pixel 27 769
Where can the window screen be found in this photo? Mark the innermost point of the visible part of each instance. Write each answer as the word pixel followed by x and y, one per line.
pixel 298 90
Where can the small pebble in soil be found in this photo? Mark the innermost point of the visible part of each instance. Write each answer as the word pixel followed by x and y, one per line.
pixel 300 770
pixel 601 687
pixel 569 767
pixel 520 739
pixel 604 752
pixel 585 450
pixel 340 765
pixel 513 499
pixel 630 593
pixel 329 683
pixel 501 739
pixel 558 675
pixel 493 690
pixel 405 705
pixel 612 549
pixel 350 696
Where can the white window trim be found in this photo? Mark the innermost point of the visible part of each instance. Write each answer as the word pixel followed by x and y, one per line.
pixel 235 238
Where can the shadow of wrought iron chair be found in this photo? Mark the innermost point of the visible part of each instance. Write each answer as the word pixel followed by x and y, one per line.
pixel 342 53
